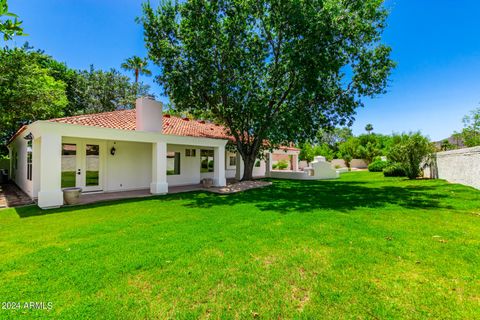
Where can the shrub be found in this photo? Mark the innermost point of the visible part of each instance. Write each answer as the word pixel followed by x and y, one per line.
pixel 274 166
pixel 377 166
pixel 394 170
pixel 411 150
pixel 257 164
pixel 282 165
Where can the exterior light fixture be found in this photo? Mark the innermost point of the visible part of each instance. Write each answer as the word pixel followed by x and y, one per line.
pixel 112 151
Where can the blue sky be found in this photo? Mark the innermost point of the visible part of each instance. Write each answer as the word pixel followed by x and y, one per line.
pixel 435 43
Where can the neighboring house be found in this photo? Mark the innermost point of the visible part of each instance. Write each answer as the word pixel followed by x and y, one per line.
pixel 121 151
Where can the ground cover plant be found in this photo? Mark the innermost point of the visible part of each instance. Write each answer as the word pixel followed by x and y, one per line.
pixel 363 246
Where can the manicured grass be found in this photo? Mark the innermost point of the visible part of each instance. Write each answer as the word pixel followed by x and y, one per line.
pixel 362 247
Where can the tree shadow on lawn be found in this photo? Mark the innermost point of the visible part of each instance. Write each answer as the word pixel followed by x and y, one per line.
pixel 288 196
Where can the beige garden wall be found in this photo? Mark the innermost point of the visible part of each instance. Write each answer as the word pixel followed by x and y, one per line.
pixel 355 163
pixel 458 166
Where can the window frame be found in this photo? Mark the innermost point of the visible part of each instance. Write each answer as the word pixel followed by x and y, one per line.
pixel 176 156
pixel 29 159
pixel 209 155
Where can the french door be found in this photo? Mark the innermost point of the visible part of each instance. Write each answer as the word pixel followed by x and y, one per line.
pixel 82 164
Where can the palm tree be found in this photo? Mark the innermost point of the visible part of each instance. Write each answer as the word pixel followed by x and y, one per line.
pixel 369 128
pixel 138 65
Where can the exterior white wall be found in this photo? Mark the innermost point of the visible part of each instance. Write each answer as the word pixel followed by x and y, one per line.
pixel 457 166
pixel 19 145
pixel 130 168
pixel 259 171
pixel 189 167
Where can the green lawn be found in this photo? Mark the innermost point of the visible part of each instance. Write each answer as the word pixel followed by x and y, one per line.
pixel 362 247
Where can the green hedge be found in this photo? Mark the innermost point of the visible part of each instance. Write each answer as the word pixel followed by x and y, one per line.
pixel 394 170
pixel 377 166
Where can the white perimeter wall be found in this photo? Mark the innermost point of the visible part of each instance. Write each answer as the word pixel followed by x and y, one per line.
pixel 355 163
pixel 458 166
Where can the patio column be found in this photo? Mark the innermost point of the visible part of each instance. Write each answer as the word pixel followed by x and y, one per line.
pixel 219 167
pixel 295 162
pixel 239 167
pixel 268 164
pixel 50 194
pixel 159 183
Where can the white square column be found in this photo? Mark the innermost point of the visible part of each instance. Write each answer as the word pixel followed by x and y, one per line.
pixel 219 179
pixel 295 162
pixel 50 194
pixel 159 183
pixel 239 167
pixel 268 164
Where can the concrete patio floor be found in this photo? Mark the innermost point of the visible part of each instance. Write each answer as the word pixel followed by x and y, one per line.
pixel 87 198
pixel 12 196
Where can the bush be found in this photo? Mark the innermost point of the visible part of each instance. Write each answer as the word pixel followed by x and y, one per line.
pixel 411 150
pixel 394 170
pixel 282 165
pixel 377 166
pixel 274 166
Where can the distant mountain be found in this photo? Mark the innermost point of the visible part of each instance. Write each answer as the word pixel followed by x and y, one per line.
pixel 457 143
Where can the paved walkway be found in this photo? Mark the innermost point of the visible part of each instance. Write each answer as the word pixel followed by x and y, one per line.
pixel 232 187
pixel 12 196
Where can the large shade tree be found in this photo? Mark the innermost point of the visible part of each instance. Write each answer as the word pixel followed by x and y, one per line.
pixel 274 70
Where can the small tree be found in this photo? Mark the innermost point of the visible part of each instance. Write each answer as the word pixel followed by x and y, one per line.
pixel 306 153
pixel 349 150
pixel 368 152
pixel 410 151
pixel 446 145
pixel 369 128
pixel 471 130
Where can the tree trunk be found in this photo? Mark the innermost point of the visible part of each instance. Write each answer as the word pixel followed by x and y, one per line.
pixel 248 163
pixel 136 75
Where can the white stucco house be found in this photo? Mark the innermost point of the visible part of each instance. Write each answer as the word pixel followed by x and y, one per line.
pixel 122 151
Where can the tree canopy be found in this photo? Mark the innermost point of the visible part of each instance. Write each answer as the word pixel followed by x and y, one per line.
pixel 471 128
pixel 34 86
pixel 269 70
pixel 10 26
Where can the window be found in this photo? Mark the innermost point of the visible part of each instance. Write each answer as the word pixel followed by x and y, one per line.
pixel 29 160
pixel 233 161
pixel 190 152
pixel 69 164
pixel 173 163
pixel 206 161
pixel 93 165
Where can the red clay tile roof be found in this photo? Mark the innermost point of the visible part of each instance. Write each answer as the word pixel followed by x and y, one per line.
pixel 126 120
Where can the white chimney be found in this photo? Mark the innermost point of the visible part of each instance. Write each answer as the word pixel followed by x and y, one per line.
pixel 148 115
